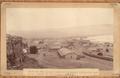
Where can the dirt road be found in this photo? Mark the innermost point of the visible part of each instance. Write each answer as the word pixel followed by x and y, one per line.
pixel 87 62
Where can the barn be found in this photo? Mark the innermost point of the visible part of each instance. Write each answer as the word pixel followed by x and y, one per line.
pixel 67 54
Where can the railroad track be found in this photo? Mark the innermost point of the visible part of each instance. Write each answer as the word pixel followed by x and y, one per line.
pixel 99 57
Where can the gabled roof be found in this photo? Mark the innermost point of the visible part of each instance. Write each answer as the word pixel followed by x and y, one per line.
pixel 65 51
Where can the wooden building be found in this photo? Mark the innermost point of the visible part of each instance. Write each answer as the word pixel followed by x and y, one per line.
pixel 67 54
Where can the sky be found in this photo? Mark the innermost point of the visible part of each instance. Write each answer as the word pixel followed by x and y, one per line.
pixel 58 22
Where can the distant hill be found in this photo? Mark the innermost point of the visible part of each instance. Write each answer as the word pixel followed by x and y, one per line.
pixel 101 38
pixel 66 32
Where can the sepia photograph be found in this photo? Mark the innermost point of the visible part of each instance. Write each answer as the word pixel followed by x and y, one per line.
pixel 59 38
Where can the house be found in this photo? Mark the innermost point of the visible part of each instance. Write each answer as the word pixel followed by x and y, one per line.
pixel 85 43
pixel 108 44
pixel 108 50
pixel 101 50
pixel 67 54
pixel 42 46
pixel 54 46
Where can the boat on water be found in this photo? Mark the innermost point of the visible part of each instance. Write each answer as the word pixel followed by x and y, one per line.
pixel 99 56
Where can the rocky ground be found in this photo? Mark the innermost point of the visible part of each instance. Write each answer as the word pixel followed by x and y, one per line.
pixel 27 63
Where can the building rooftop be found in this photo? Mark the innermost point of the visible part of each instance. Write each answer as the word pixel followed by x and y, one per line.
pixel 65 51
